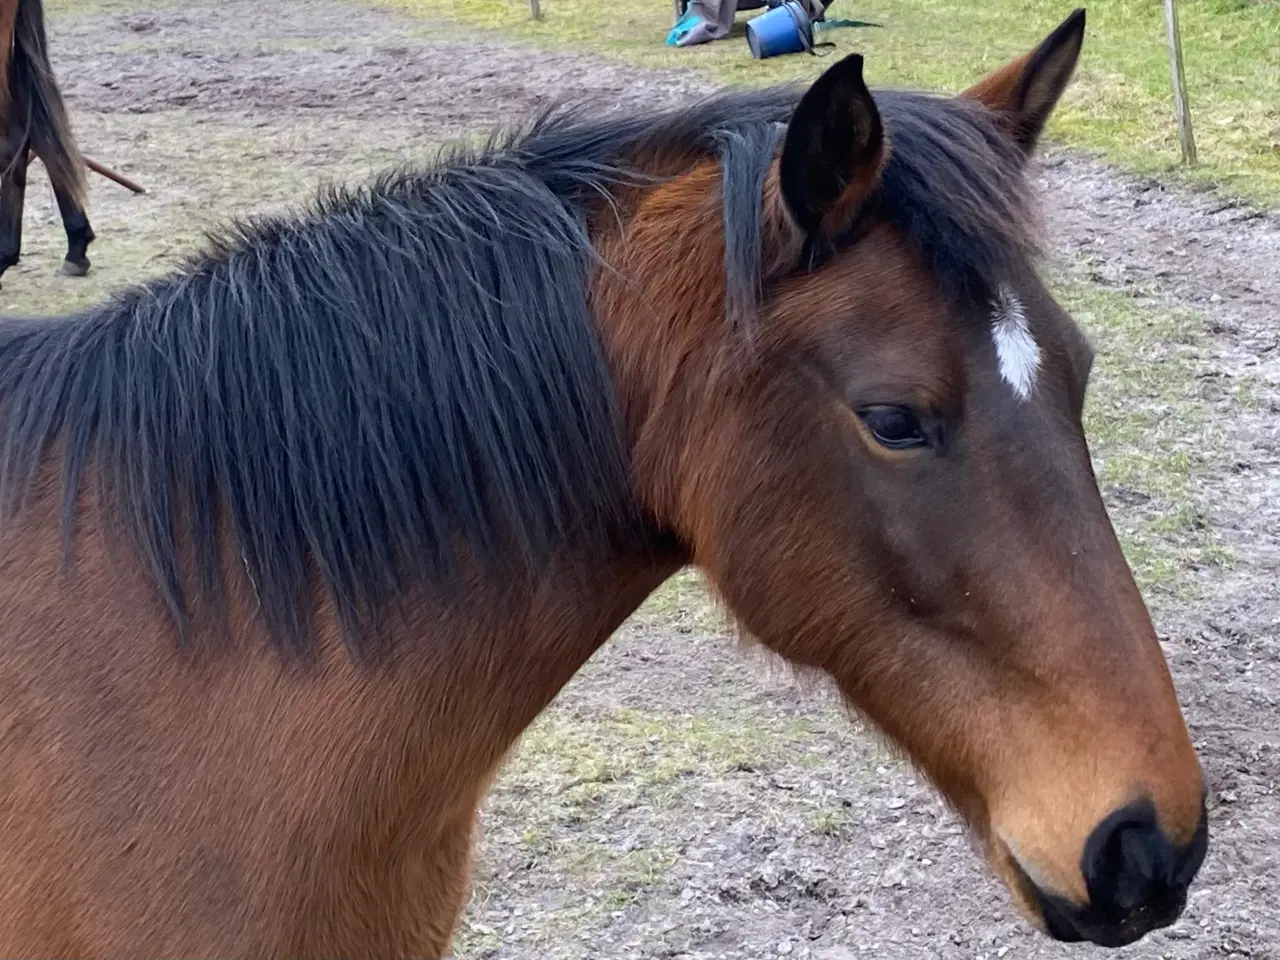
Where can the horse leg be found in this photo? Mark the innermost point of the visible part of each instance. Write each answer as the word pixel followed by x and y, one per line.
pixel 79 233
pixel 39 102
pixel 13 188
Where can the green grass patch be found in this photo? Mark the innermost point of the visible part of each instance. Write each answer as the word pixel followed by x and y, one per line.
pixel 684 600
pixel 1120 104
pixel 588 756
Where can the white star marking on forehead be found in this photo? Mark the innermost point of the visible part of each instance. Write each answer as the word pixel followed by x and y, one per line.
pixel 1016 350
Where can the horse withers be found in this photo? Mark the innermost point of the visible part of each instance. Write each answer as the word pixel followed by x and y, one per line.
pixel 33 120
pixel 297 541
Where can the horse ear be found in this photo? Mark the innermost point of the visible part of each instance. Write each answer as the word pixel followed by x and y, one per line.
pixel 1027 90
pixel 833 151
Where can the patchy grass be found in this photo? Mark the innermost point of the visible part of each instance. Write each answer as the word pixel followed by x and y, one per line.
pixel 1120 104
pixel 588 756
pixel 54 8
pixel 1148 419
pixel 684 602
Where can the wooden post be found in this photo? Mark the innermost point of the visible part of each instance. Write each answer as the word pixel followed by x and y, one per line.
pixel 535 9
pixel 98 168
pixel 1181 106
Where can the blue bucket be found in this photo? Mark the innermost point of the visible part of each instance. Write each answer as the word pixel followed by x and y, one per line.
pixel 784 29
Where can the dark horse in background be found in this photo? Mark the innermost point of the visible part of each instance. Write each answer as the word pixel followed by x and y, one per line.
pixel 297 541
pixel 35 122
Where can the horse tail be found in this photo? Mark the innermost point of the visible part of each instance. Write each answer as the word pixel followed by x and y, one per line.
pixel 34 91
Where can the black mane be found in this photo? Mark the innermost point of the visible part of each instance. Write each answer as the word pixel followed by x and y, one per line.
pixel 410 372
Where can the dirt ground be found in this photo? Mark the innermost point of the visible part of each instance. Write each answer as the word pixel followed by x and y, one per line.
pixel 685 798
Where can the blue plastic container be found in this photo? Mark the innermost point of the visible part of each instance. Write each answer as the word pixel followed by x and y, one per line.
pixel 784 29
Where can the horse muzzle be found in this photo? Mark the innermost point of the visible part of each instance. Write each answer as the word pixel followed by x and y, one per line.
pixel 1136 877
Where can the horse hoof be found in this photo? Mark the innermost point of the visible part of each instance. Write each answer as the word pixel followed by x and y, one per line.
pixel 72 269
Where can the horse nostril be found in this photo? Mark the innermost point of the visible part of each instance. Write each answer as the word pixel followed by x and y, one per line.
pixel 1131 867
pixel 1131 861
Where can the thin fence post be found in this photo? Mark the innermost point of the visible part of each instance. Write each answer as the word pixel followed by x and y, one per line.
pixel 1181 106
pixel 535 9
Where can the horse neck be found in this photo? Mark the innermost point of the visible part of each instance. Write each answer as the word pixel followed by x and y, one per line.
pixel 660 305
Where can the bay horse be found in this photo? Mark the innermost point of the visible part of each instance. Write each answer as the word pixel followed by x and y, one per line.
pixel 34 121
pixel 298 540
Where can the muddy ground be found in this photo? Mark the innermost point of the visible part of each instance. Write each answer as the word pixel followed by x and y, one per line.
pixel 685 798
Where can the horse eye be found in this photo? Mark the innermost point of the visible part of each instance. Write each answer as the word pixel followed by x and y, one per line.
pixel 897 428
